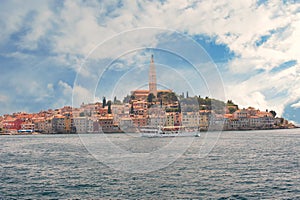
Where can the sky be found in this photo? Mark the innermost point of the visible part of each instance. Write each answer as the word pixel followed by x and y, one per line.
pixel 55 53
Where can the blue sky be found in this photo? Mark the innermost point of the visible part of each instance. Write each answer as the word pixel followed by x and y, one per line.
pixel 55 53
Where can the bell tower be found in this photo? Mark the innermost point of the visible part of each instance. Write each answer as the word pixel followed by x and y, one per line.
pixel 152 78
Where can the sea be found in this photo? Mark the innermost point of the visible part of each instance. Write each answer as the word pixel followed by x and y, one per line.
pixel 260 164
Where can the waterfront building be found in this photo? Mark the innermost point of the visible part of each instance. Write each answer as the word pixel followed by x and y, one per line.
pixel 69 125
pixel 191 119
pixel 267 119
pixel 173 119
pixel 106 122
pixel 58 124
pixel 204 120
pixel 12 123
pixel 40 124
pixel 27 126
pixel 1 123
pixel 217 121
pixel 84 124
pixel 139 120
pixel 154 120
pixel 239 114
pixel 48 126
pixel 234 124
pixel 140 107
pixel 255 122
pixel 125 123
pixel 120 111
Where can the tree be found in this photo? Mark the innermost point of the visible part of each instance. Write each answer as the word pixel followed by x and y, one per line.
pixel 131 109
pixel 103 102
pixel 172 97
pixel 179 108
pixel 117 102
pixel 231 110
pixel 150 97
pixel 229 102
pixel 109 107
pixel 126 99
pixel 273 113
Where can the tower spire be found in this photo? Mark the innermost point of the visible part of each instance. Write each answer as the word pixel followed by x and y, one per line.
pixel 152 78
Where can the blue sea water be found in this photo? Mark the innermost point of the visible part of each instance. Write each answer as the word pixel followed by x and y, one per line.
pixel 242 165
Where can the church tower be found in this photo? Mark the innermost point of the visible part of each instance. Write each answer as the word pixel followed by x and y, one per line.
pixel 152 78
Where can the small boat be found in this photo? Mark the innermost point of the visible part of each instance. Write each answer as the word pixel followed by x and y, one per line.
pixel 159 131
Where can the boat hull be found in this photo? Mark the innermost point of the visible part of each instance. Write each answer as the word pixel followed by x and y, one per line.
pixel 180 134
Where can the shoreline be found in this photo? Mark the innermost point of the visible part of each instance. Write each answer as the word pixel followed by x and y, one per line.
pixel 122 132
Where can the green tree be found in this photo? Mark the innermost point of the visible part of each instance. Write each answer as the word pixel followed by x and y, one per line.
pixel 131 109
pixel 179 108
pixel 103 102
pixel 109 107
pixel 230 103
pixel 150 97
pixel 273 113
pixel 231 110
pixel 172 96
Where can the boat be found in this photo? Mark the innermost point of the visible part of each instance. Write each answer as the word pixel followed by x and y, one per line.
pixel 150 131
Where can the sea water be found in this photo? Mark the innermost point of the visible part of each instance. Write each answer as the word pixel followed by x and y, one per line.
pixel 241 165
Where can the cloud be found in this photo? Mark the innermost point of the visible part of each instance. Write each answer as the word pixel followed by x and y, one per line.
pixel 51 40
pixel 296 105
pixel 67 89
pixel 266 90
pixel 50 87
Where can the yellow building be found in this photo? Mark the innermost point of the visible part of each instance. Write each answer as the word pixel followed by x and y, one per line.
pixel 204 119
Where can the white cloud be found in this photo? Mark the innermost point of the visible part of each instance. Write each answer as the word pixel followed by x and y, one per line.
pixel 64 95
pixel 77 27
pixel 81 94
pixel 296 105
pixel 50 87
pixel 266 90
pixel 67 89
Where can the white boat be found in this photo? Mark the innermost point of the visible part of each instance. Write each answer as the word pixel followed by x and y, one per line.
pixel 159 131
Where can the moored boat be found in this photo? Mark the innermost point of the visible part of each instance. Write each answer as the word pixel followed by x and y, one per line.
pixel 159 131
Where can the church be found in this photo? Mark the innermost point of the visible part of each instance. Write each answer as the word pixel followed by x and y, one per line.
pixel 143 94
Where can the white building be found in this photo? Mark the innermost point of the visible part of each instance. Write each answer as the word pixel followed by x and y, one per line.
pixel 125 123
pixel 27 126
pixel 84 124
pixel 120 111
